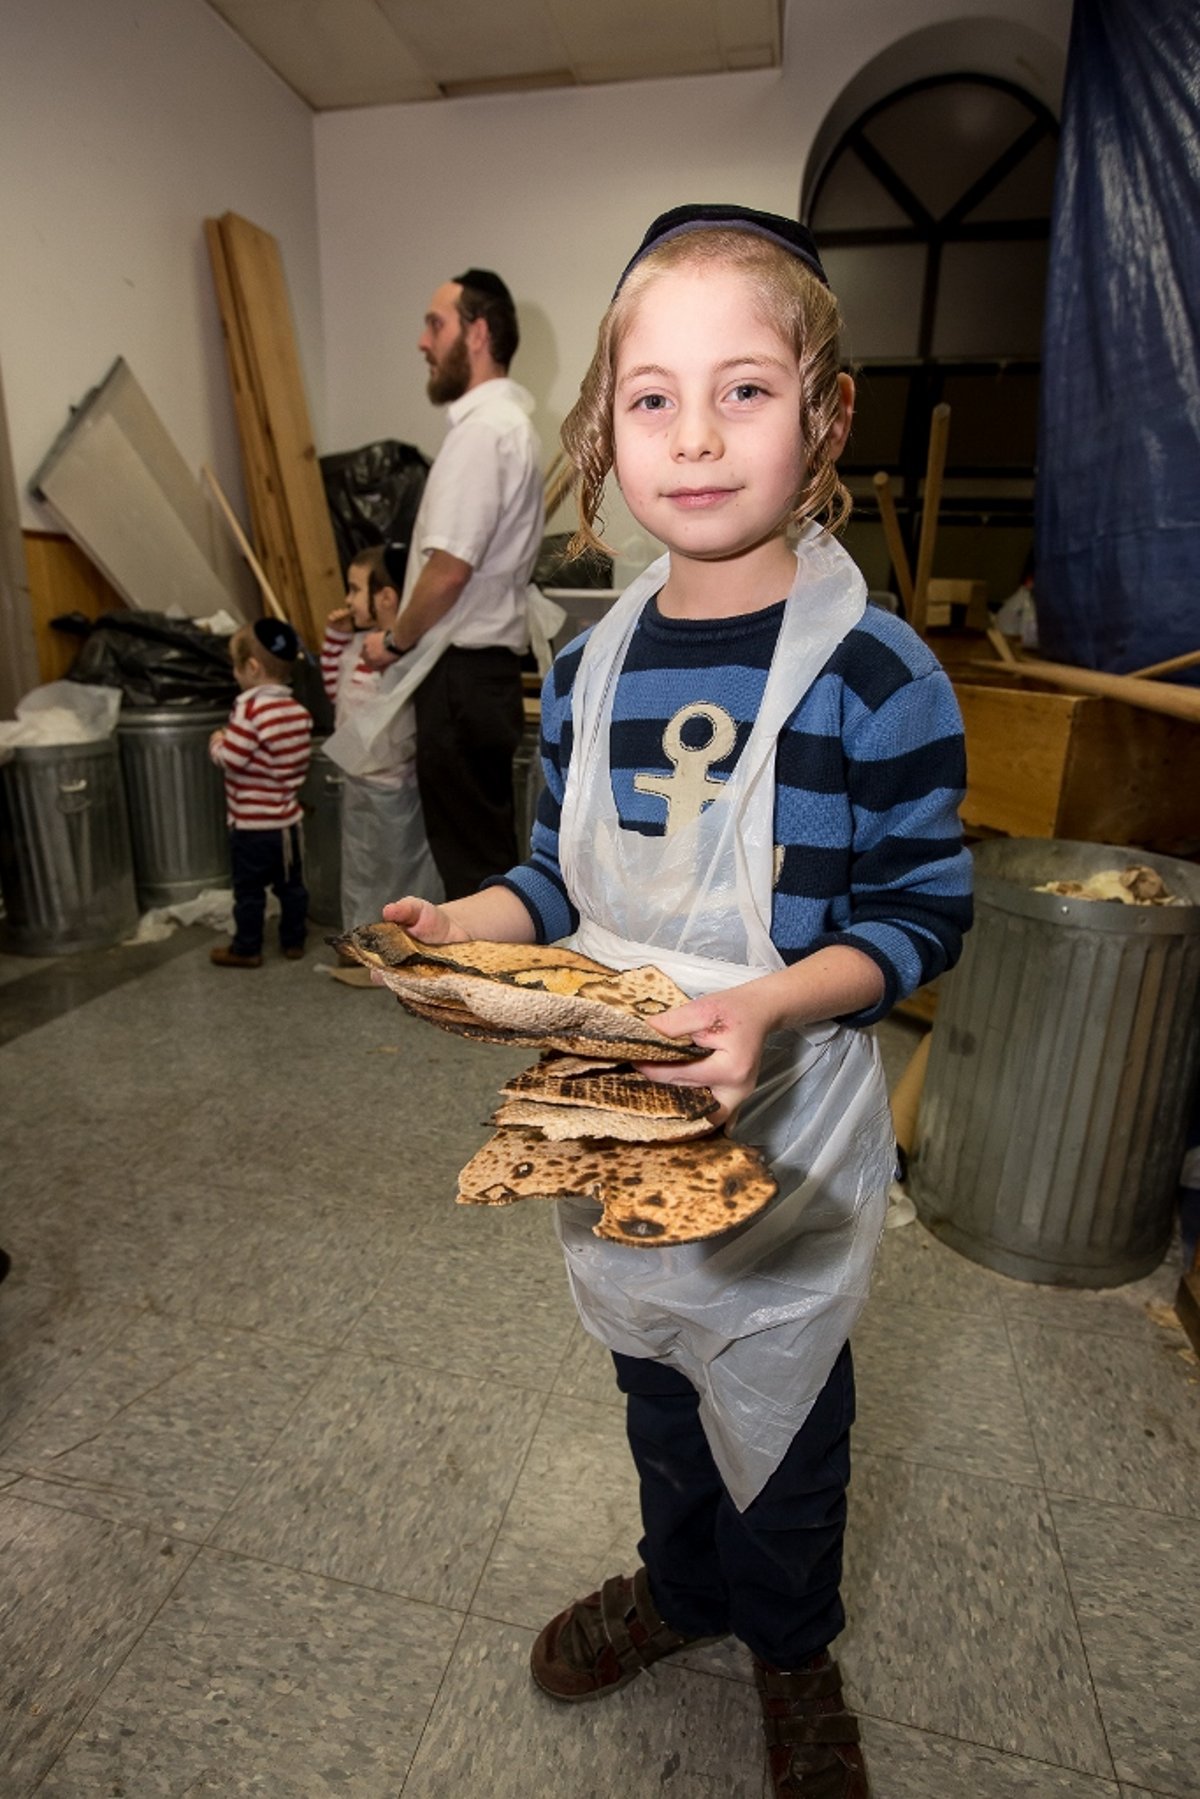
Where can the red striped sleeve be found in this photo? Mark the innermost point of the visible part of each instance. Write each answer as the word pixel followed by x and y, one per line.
pixel 333 644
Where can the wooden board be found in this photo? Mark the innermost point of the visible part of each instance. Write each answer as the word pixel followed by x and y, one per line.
pixel 271 523
pixel 1042 763
pixel 62 579
pixel 1017 749
pixel 257 279
pixel 966 598
pixel 266 515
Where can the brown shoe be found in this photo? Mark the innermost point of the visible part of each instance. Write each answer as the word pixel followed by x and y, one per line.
pixel 599 1644
pixel 812 1740
pixel 294 951
pixel 225 957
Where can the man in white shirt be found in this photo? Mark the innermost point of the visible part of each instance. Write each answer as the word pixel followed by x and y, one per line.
pixel 475 540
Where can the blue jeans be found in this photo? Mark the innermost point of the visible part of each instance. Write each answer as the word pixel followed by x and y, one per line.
pixel 770 1574
pixel 262 860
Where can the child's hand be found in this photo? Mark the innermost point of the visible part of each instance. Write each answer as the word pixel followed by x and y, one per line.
pixel 215 741
pixel 733 1025
pixel 341 618
pixel 422 919
pixel 375 656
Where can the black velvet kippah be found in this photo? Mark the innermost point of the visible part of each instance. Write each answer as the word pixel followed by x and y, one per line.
pixel 484 282
pixel 789 234
pixel 277 636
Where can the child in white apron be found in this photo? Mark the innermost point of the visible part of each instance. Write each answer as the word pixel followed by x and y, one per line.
pixel 752 783
pixel 383 842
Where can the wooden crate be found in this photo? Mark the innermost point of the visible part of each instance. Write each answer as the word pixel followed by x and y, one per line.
pixel 1042 763
pixel 962 603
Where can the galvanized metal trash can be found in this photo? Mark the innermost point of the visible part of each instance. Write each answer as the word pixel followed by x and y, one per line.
pixel 1061 1070
pixel 66 862
pixel 176 797
pixel 321 797
pixel 528 781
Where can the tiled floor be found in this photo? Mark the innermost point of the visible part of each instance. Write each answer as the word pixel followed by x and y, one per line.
pixel 296 1456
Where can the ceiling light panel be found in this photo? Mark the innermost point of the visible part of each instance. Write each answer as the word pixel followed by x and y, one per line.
pixel 477 40
pixel 332 52
pixel 624 40
pixel 750 33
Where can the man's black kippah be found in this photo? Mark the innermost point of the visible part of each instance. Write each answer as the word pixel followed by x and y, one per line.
pixel 789 234
pixel 483 281
pixel 277 636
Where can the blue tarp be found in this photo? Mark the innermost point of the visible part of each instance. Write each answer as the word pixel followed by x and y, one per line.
pixel 1117 572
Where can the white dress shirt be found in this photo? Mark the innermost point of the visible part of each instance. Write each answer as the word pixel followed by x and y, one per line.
pixel 483 503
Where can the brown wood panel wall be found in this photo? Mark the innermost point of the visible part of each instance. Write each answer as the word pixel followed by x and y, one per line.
pixel 62 579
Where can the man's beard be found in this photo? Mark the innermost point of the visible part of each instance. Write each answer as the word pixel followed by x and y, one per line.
pixel 450 378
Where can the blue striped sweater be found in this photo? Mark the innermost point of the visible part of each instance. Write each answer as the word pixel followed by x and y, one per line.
pixel 869 771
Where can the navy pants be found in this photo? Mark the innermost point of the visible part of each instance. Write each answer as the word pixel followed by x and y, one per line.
pixel 770 1574
pixel 262 860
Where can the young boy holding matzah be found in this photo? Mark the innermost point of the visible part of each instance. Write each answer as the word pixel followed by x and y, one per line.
pixel 752 781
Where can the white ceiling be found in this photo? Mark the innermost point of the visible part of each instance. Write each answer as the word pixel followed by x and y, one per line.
pixel 377 52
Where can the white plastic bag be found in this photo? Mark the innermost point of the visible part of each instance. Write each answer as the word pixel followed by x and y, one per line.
pixel 62 712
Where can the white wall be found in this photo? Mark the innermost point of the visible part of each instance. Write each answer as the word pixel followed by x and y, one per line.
pixel 123 124
pixel 554 189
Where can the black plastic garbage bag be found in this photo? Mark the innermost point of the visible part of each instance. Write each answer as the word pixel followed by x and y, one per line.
pixel 554 568
pixel 160 661
pixel 373 495
pixel 154 660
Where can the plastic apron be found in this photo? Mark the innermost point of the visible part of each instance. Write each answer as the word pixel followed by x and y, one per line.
pixel 385 852
pixel 755 1319
pixel 358 743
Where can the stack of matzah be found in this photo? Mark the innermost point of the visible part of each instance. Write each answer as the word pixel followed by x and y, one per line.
pixel 583 1122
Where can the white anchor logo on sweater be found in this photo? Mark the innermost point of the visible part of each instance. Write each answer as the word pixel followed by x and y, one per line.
pixel 691 788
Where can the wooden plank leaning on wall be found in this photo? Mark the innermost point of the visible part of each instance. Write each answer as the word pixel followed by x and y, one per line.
pixel 289 512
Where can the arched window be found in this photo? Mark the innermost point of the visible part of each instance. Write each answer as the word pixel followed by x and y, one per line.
pixel 933 216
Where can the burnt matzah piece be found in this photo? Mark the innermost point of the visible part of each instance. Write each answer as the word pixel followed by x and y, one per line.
pixel 604 1087
pixel 557 1123
pixel 654 1195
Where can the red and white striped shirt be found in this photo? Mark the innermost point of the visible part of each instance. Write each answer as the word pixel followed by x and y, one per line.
pixel 264 752
pixel 351 683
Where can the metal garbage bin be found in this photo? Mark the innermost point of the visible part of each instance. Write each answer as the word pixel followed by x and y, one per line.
pixel 66 862
pixel 321 797
pixel 1061 1070
pixel 528 781
pixel 176 797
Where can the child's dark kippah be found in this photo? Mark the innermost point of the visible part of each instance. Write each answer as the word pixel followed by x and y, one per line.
pixel 789 234
pixel 484 282
pixel 277 636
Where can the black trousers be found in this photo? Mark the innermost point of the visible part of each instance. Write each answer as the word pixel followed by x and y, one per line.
pixel 770 1574
pixel 469 722
pixel 262 860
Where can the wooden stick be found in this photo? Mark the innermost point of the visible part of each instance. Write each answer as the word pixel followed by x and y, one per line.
pixel 1001 645
pixel 895 542
pixel 1152 696
pixel 256 568
pixel 1166 668
pixel 939 437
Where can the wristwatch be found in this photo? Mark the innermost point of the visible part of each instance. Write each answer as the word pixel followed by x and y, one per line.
pixel 390 644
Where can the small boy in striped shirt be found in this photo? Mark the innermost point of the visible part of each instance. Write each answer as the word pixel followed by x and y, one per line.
pixel 264 752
